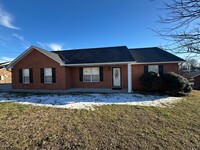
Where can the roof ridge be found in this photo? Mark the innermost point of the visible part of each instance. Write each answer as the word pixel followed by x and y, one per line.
pixel 90 48
pixel 145 48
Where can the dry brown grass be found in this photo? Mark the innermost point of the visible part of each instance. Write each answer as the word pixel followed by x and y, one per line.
pixel 108 127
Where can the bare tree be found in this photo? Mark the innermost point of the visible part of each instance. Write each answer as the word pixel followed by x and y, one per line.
pixel 193 62
pixel 183 21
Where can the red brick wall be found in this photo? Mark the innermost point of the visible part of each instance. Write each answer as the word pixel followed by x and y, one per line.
pixel 107 78
pixel 6 73
pixel 138 70
pixel 197 82
pixel 37 60
pixel 68 77
pixel 171 68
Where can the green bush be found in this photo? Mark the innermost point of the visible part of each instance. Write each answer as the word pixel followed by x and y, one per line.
pixel 170 82
pixel 175 84
pixel 151 82
pixel 188 88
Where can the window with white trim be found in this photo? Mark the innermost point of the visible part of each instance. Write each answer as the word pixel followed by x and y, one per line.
pixel 153 68
pixel 25 76
pixel 91 74
pixel 48 78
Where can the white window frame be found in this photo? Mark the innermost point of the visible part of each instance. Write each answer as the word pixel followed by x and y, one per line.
pixel 45 76
pixel 25 76
pixel 153 68
pixel 92 72
pixel 1 78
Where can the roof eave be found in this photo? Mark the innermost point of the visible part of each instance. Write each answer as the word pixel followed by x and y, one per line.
pixel 195 76
pixel 117 63
pixel 164 62
pixel 96 64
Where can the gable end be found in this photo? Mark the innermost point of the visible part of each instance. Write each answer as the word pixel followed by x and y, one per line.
pixel 51 55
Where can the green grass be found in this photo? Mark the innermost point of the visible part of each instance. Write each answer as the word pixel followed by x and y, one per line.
pixel 108 127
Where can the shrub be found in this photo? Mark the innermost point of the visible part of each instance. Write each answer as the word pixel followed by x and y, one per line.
pixel 151 82
pixel 176 84
pixel 170 82
pixel 188 88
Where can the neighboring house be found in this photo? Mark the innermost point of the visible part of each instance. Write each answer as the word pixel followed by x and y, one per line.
pixel 197 82
pixel 190 75
pixel 5 73
pixel 109 67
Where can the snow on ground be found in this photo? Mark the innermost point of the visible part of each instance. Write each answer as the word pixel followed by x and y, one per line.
pixel 87 101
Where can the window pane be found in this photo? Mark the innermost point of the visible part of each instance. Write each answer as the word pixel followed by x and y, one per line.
pixel 95 78
pixel 25 72
pixel 95 70
pixel 48 79
pixel 91 74
pixel 87 71
pixel 87 78
pixel 48 71
pixel 26 79
pixel 153 68
pixel 48 75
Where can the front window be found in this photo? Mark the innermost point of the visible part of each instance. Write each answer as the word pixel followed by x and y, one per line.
pixel 91 74
pixel 26 76
pixel 48 75
pixel 153 68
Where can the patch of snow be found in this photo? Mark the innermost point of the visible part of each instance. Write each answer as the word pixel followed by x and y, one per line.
pixel 87 101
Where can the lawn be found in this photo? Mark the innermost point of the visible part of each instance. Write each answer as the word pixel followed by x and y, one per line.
pixel 107 127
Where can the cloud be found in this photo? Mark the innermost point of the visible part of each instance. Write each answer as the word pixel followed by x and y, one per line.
pixel 25 45
pixel 5 59
pixel 18 36
pixel 6 19
pixel 53 46
pixel 22 39
pixel 43 45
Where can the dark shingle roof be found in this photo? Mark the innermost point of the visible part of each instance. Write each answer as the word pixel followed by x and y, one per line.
pixel 153 54
pixel 105 55
pixel 95 55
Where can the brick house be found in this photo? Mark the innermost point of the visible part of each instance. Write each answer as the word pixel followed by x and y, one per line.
pixel 109 67
pixel 5 73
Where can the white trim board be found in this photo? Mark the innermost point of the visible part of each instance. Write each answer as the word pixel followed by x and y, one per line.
pixel 150 63
pixel 96 64
pixel 119 63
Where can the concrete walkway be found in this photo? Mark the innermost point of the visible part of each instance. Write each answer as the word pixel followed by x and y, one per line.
pixel 7 88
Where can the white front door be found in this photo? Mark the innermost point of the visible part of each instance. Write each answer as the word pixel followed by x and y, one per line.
pixel 116 76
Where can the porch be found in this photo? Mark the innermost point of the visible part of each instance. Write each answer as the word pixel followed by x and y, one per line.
pixel 71 90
